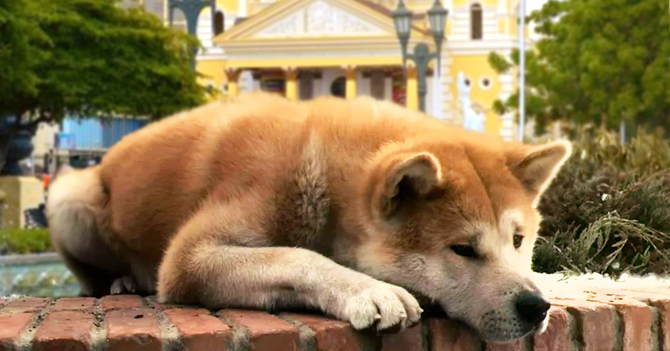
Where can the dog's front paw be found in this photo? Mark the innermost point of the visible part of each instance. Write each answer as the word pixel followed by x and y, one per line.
pixel 123 285
pixel 391 307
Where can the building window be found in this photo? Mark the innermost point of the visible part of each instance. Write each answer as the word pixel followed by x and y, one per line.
pixel 377 86
pixel 218 22
pixel 178 20
pixel 338 87
pixel 476 24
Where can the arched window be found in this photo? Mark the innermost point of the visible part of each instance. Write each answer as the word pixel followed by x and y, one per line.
pixel 218 22
pixel 476 32
pixel 338 87
pixel 178 20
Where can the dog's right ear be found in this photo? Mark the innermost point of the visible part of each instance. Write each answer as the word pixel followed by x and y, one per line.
pixel 406 179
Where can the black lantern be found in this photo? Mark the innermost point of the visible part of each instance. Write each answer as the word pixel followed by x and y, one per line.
pixel 437 16
pixel 402 18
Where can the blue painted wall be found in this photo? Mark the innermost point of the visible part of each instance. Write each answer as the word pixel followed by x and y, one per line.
pixel 100 133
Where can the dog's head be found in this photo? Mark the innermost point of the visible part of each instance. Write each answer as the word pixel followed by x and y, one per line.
pixel 456 221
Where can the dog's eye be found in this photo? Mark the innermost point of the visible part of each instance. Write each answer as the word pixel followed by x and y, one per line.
pixel 518 239
pixel 464 250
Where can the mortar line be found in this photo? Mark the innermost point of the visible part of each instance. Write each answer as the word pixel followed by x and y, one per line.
pixel 25 340
pixel 307 335
pixel 240 340
pixel 99 329
pixel 170 337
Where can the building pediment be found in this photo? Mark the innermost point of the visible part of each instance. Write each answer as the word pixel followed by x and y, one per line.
pixel 298 19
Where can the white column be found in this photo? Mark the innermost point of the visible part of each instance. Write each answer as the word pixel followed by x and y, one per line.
pixel 317 85
pixel 246 81
pixel 241 8
pixel 388 88
pixel 430 80
pixel 256 81
pixel 436 93
pixel 363 84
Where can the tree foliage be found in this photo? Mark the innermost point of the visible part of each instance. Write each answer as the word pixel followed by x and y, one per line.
pixel 20 51
pixel 597 61
pixel 103 59
pixel 89 58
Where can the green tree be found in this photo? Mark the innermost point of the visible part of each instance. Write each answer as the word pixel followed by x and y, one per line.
pixel 597 61
pixel 19 51
pixel 90 58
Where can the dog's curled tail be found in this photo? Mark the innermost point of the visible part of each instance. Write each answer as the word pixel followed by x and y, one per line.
pixel 75 200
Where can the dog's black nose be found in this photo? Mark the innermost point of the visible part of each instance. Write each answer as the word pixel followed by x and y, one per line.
pixel 532 307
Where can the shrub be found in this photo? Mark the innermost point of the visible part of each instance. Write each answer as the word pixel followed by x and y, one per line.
pixel 608 210
pixel 24 241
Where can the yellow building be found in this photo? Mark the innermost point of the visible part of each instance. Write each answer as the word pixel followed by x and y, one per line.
pixel 308 48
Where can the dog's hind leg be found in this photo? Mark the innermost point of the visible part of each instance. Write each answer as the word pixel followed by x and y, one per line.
pixel 74 202
pixel 204 266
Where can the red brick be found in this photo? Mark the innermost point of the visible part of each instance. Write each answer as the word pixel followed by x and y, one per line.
pixel 557 335
pixel 446 335
pixel 637 322
pixel 11 326
pixel 73 304
pixel 133 329
pixel 330 334
pixel 663 307
pixel 637 317
pixel 120 302
pixel 199 330
pixel 266 332
pixel 407 340
pixel 26 305
pixel 64 330
pixel 596 321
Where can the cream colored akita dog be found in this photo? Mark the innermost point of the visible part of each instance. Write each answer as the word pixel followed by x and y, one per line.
pixel 342 206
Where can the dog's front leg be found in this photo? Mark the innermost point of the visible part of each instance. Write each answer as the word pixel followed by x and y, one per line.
pixel 203 266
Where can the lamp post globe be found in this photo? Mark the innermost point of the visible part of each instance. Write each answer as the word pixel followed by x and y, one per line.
pixel 402 19
pixel 437 17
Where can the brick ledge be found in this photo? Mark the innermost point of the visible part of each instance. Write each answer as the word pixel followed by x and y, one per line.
pixel 588 314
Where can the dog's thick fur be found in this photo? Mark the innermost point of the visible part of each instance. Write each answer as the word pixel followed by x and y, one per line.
pixel 339 205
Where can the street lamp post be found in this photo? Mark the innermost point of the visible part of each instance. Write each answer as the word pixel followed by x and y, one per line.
pixel 402 19
pixel 522 68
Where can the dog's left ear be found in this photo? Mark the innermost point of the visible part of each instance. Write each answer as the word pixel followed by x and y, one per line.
pixel 537 166
pixel 409 177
